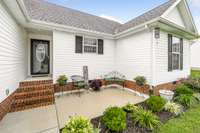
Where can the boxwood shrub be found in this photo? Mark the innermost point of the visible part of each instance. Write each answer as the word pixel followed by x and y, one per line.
pixel 114 118
pixel 155 103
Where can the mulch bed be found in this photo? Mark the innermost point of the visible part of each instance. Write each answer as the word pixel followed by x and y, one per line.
pixel 130 127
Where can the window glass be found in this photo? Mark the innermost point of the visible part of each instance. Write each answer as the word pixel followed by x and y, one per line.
pixel 175 53
pixel 90 45
pixel 175 61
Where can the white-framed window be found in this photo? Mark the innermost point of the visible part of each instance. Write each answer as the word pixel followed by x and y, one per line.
pixel 90 45
pixel 176 53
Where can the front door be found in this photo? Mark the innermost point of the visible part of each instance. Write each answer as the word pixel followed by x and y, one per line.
pixel 39 57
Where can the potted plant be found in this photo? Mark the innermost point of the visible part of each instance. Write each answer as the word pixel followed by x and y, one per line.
pixel 62 80
pixel 140 80
pixel 96 85
pixel 166 94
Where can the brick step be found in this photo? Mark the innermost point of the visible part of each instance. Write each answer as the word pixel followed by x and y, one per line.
pixel 35 93
pixel 33 83
pixel 35 88
pixel 21 108
pixel 32 101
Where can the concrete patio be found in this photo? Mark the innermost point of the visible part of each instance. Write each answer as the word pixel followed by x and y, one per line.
pixel 38 120
pixel 51 118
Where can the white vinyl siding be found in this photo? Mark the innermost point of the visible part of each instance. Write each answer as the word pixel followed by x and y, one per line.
pixel 66 61
pixel 175 17
pixel 161 74
pixel 195 54
pixel 133 55
pixel 13 58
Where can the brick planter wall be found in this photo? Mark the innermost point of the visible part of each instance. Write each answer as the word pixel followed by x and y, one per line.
pixel 167 86
pixel 67 87
pixel 132 85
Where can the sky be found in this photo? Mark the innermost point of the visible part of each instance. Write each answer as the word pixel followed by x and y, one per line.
pixel 122 10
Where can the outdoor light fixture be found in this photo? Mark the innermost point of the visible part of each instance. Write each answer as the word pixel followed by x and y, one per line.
pixel 157 33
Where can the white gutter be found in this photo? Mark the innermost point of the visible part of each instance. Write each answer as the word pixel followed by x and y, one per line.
pixel 59 27
pixel 133 31
pixel 23 9
pixel 163 20
pixel 52 26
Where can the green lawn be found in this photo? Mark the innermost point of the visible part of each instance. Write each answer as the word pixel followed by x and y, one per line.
pixel 187 123
pixel 195 73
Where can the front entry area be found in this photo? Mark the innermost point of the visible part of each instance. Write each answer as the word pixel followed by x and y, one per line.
pixel 40 57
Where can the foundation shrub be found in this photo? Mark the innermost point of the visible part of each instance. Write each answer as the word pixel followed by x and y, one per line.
pixel 114 118
pixel 155 103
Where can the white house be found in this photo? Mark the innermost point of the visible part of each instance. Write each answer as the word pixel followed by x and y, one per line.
pixel 38 38
pixel 195 54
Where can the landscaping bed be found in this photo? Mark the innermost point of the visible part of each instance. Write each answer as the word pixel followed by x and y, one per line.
pixel 130 126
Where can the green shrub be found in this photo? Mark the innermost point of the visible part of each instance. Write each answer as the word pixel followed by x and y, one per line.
pixel 155 103
pixel 186 100
pixel 183 89
pixel 140 80
pixel 114 118
pixel 78 124
pixel 193 83
pixel 145 119
pixel 173 108
pixel 129 107
pixel 62 80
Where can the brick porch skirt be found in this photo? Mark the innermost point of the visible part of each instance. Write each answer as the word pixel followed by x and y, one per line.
pixel 5 106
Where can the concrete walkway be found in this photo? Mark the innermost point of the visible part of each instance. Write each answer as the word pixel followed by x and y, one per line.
pixel 50 118
pixel 38 120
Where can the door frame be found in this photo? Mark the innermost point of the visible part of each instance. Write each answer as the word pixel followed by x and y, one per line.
pixel 31 57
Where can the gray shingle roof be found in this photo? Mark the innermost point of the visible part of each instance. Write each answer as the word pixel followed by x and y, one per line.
pixel 150 15
pixel 44 11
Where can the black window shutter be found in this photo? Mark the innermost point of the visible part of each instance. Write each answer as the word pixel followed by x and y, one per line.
pixel 79 44
pixel 181 53
pixel 169 52
pixel 100 46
